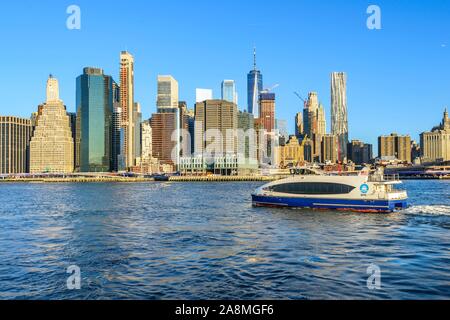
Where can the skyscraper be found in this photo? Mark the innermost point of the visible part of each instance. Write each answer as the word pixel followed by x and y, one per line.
pixel 299 129
pixel 137 117
pixel 229 91
pixel 339 118
pixel 15 134
pixel 117 155
pixel 127 105
pixel 164 126
pixel 329 150
pixel 52 145
pixel 247 137
pixel 281 126
pixel 254 88
pixel 167 99
pixel 267 111
pixel 95 107
pixel 314 123
pixel 321 121
pixel 217 116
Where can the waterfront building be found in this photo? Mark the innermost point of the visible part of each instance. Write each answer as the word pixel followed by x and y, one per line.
pixel 146 163
pixel 95 107
pixel 15 135
pixel 52 145
pixel 339 117
pixel 194 165
pixel 169 124
pixel 254 88
pixel 229 91
pixel 127 106
pixel 396 146
pixel 163 145
pixel 329 148
pixel 435 145
pixel 167 99
pixel 291 154
pixel 203 95
pixel 359 152
pixel 212 118
pixel 146 136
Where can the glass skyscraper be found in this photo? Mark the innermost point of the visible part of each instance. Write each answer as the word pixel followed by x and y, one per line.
pixel 339 121
pixel 95 106
pixel 254 88
pixel 229 91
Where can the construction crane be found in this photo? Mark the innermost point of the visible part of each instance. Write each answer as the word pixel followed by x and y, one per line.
pixel 299 96
pixel 271 88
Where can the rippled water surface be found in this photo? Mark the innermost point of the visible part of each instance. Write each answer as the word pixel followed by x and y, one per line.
pixel 205 241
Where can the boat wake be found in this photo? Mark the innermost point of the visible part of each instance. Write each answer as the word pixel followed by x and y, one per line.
pixel 439 210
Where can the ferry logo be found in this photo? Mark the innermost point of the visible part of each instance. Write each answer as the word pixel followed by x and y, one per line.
pixel 364 188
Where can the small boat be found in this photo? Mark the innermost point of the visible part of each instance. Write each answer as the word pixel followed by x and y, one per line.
pixel 315 189
pixel 160 177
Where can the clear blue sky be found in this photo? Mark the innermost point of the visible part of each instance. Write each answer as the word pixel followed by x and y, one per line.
pixel 398 77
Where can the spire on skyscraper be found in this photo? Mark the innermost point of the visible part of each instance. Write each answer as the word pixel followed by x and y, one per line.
pixel 52 90
pixel 254 58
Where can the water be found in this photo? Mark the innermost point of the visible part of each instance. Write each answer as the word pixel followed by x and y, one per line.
pixel 205 241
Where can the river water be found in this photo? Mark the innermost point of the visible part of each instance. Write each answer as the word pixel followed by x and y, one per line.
pixel 206 241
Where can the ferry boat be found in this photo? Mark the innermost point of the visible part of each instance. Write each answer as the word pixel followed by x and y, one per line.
pixel 315 189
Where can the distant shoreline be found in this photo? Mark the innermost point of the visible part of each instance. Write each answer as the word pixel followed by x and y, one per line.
pixel 142 180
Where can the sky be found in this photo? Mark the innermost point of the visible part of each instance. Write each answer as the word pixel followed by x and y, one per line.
pixel 398 77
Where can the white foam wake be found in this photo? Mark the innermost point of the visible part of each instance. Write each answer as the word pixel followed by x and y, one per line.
pixel 430 209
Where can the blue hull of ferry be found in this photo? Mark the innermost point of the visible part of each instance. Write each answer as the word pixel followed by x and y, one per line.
pixel 382 206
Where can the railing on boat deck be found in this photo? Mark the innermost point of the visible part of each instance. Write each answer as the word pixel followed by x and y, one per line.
pixel 386 177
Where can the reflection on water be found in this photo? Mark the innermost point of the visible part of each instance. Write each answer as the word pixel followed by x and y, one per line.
pixel 205 241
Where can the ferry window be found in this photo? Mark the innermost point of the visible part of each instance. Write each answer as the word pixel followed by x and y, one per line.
pixel 313 188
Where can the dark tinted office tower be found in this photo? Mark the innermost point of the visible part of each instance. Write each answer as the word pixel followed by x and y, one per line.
pixel 94 118
pixel 116 129
pixel 254 88
pixel 73 126
pixel 191 128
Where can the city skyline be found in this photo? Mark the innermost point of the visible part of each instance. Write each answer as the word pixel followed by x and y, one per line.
pixel 382 72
